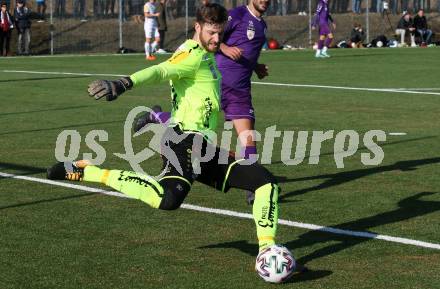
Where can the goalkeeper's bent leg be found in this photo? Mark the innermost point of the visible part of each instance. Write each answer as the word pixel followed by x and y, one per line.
pixel 258 179
pixel 265 212
pixel 137 186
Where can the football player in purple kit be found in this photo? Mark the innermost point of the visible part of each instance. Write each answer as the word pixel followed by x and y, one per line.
pixel 244 36
pixel 243 39
pixel 322 19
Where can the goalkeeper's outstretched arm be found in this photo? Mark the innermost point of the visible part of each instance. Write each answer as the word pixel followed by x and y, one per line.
pixel 168 70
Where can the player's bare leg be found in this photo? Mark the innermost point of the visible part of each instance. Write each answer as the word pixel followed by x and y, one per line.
pixel 148 46
pixel 154 45
pixel 248 144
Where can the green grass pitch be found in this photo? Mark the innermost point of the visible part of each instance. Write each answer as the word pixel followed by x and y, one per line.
pixel 57 237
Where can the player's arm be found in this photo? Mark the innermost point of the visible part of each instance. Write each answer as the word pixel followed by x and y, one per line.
pixel 181 64
pixel 330 19
pixel 147 13
pixel 232 52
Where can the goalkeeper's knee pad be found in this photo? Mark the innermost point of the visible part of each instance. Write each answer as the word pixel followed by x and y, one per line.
pixel 175 191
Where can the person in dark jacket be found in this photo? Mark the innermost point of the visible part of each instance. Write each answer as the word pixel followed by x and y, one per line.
pixel 421 26
pixel 406 25
pixel 357 36
pixel 23 23
pixel 162 24
pixel 6 26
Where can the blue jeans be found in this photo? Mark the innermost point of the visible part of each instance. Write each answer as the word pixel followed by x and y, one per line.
pixel 425 34
pixel 356 6
pixel 379 6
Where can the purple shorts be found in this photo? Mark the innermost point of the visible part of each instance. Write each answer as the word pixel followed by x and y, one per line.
pixel 237 103
pixel 324 29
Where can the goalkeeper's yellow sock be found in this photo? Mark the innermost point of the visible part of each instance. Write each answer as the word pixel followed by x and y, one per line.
pixel 137 186
pixel 265 212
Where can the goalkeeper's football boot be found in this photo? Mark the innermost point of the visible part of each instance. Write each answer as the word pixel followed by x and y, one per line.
pixel 71 171
pixel 147 118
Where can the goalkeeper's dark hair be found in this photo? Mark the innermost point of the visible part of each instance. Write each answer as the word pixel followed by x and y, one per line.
pixel 211 13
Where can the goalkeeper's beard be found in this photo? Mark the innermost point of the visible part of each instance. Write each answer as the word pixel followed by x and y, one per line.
pixel 210 46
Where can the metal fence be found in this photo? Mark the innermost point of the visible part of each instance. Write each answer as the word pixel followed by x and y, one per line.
pixel 89 26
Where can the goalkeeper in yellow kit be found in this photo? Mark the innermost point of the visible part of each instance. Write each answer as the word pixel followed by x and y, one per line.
pixel 195 88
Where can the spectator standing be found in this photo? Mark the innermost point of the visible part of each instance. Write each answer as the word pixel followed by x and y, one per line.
pixel 110 8
pixel 421 26
pixel 404 5
pixel 374 5
pixel 406 25
pixel 6 26
pixel 23 24
pixel 302 7
pixel 282 7
pixel 79 9
pixel 41 9
pixel 162 24
pixel 60 8
pixel 393 6
pixel 356 6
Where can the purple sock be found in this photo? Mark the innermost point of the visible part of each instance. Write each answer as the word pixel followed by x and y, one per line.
pixel 320 44
pixel 162 116
pixel 248 150
pixel 328 41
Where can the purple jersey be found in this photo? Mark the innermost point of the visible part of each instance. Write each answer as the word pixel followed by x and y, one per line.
pixel 245 31
pixel 322 16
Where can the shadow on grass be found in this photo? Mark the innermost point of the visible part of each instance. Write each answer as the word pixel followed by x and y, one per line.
pixel 42 78
pixel 252 250
pixel 345 177
pixel 61 127
pixel 44 110
pixel 408 208
pixel 22 169
pixel 46 201
pixel 365 148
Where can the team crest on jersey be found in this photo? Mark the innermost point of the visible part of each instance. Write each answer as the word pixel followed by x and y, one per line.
pixel 250 32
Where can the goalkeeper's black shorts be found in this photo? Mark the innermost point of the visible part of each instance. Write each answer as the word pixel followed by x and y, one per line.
pixel 221 172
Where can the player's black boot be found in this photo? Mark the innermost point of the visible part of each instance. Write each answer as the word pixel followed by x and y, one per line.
pixel 147 118
pixel 71 171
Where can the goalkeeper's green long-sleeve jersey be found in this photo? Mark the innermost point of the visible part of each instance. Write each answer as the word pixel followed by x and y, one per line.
pixel 195 86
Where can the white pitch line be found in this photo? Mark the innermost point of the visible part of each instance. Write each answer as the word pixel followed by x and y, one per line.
pixel 74 55
pixel 418 88
pixel 62 73
pixel 393 90
pixel 346 88
pixel 397 133
pixel 240 214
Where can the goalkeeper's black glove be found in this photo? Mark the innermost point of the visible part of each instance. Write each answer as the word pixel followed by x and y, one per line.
pixel 110 89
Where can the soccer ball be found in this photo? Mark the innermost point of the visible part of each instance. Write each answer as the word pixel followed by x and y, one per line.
pixel 275 264
pixel 379 44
